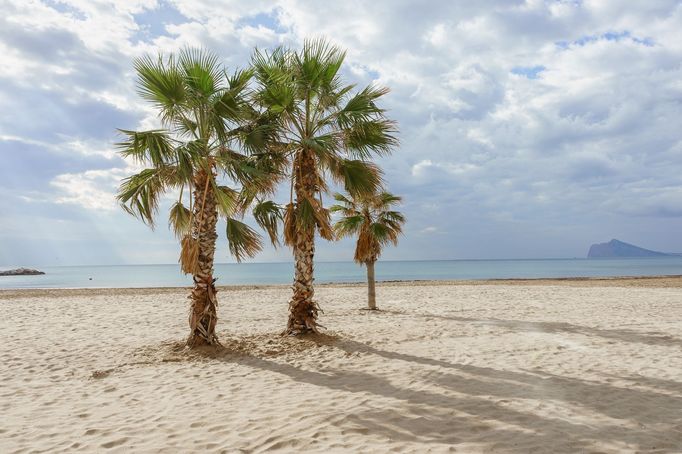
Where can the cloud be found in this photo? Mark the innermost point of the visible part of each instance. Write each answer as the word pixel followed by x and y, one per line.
pixel 92 190
pixel 528 128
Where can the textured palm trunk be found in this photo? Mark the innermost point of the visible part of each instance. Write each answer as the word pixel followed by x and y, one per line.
pixel 371 287
pixel 203 311
pixel 302 309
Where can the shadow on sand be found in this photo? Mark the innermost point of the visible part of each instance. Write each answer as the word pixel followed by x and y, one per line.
pixel 622 335
pixel 470 404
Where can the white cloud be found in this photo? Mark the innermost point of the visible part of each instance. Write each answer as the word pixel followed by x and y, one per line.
pixel 93 190
pixel 594 136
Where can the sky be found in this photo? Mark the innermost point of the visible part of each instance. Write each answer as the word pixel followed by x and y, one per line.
pixel 528 129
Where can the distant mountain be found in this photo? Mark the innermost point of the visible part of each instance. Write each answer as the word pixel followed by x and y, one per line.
pixel 615 248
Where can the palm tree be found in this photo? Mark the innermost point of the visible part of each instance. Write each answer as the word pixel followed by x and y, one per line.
pixel 372 219
pixel 203 111
pixel 324 131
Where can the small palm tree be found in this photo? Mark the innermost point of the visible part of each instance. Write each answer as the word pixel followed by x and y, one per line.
pixel 203 111
pixel 375 224
pixel 324 131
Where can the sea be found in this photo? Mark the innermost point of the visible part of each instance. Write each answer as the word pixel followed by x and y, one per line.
pixel 123 276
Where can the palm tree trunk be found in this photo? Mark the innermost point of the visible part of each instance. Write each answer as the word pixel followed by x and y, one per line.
pixel 371 288
pixel 302 309
pixel 203 311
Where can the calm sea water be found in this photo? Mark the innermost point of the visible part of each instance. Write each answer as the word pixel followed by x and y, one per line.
pixel 281 273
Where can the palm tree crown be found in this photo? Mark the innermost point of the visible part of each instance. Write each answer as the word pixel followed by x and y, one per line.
pixel 203 111
pixel 372 219
pixel 323 128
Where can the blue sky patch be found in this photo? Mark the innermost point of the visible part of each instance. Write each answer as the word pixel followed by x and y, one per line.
pixel 268 20
pixel 152 22
pixel 531 72
pixel 608 36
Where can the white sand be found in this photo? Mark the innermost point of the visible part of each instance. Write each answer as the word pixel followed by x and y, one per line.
pixel 555 367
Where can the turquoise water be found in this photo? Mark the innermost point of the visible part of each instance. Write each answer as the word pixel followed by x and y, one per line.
pixel 281 273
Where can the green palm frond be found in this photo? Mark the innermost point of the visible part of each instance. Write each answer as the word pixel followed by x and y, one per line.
pixel 153 147
pixel 242 240
pixel 139 194
pixel 231 104
pixel 258 174
pixel 349 225
pixel 201 72
pixel 382 233
pixel 268 216
pixel 318 64
pixel 306 218
pixel 161 83
pixel 227 198
pixel 179 220
pixel 386 200
pixel 361 107
pixel 357 177
pixel 367 137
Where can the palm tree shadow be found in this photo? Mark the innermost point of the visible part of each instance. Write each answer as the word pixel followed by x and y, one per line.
pixel 671 386
pixel 622 335
pixel 428 418
pixel 535 384
pixel 470 402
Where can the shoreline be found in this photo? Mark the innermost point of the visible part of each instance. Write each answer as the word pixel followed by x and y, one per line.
pixel 660 281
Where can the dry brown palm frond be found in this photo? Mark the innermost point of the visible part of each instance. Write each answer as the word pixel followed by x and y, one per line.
pixel 189 254
pixel 289 224
pixel 320 215
pixel 324 224
pixel 365 246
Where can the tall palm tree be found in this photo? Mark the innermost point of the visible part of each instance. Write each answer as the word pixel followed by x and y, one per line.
pixel 324 131
pixel 372 219
pixel 203 112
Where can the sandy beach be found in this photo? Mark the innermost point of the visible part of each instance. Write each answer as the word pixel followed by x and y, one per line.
pixel 498 366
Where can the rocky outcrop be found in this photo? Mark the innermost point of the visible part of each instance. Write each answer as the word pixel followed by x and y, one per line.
pixel 616 248
pixel 21 272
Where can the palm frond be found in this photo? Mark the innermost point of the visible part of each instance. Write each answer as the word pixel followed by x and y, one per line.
pixel 189 255
pixel 161 83
pixel 201 72
pixel 139 194
pixel 386 200
pixel 227 198
pixel 268 215
pixel 179 219
pixel 318 64
pixel 154 147
pixel 290 224
pixel 361 107
pixel 242 240
pixel 358 177
pixel 312 214
pixel 367 137
pixel 349 225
